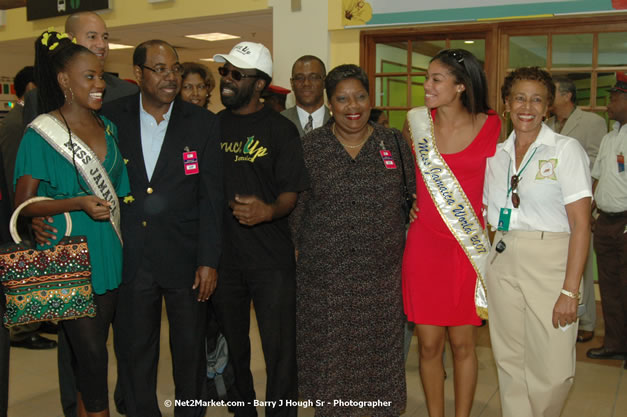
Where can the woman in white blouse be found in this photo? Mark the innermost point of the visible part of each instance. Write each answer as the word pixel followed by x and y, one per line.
pixel 538 196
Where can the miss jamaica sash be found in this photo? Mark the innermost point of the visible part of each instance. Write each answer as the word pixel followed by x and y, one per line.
pixel 450 200
pixel 87 163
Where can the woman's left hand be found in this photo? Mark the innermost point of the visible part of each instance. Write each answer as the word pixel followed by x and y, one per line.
pixel 565 311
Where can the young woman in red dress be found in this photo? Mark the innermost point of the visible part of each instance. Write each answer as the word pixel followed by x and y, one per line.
pixel 439 278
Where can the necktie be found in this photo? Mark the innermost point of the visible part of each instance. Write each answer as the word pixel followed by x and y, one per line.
pixel 309 126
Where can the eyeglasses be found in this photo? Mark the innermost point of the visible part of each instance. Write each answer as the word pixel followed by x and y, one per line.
pixel 514 186
pixel 456 55
pixel 164 72
pixel 312 78
pixel 235 74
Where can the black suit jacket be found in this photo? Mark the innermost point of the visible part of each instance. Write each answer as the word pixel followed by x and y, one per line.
pixel 173 225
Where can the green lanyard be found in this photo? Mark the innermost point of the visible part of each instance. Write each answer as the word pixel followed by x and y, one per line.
pixel 509 182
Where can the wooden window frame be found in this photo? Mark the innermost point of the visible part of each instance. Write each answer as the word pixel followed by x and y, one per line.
pixel 496 35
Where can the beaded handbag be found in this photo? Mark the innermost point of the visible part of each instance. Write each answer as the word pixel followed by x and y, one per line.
pixel 49 284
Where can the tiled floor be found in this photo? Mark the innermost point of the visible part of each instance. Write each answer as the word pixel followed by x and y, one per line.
pixel 600 388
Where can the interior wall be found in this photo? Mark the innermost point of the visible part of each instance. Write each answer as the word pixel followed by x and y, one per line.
pixel 297 33
pixel 129 12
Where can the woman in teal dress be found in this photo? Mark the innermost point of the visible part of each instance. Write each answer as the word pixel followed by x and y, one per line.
pixel 70 88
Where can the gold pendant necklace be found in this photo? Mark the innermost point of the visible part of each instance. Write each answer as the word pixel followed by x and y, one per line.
pixel 368 133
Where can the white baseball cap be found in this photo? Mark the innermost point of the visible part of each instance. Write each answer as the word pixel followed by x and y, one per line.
pixel 248 55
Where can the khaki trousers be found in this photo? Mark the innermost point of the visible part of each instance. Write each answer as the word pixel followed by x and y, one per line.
pixel 535 362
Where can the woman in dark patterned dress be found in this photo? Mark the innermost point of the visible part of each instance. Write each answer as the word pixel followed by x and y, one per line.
pixel 349 231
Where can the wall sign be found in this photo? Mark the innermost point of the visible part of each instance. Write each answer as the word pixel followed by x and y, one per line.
pixel 43 9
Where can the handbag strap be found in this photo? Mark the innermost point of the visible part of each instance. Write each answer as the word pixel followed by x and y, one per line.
pixel 16 214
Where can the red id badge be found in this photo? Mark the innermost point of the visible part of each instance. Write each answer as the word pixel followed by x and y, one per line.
pixel 190 163
pixel 388 161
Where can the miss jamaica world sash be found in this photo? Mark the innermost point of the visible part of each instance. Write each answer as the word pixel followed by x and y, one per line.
pixel 87 163
pixel 450 200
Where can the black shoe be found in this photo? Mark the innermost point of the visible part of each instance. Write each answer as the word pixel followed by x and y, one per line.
pixel 49 327
pixel 603 353
pixel 35 342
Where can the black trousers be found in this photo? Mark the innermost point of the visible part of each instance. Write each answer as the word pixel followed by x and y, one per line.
pixel 140 325
pixel 273 293
pixel 610 245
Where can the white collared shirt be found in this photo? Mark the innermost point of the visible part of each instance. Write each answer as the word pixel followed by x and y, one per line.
pixel 611 191
pixel 318 117
pixel 152 136
pixel 557 174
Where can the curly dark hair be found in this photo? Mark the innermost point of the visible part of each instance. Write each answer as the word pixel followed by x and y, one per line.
pixel 344 72
pixel 529 74
pixel 468 71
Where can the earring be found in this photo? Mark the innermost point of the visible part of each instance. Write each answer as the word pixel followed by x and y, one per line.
pixel 71 96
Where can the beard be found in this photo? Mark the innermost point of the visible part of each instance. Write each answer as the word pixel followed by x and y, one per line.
pixel 240 98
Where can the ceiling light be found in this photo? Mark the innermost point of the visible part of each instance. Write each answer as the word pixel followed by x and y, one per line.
pixel 118 46
pixel 207 59
pixel 212 37
pixel 469 42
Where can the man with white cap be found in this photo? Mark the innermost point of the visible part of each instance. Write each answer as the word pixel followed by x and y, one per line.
pixel 263 172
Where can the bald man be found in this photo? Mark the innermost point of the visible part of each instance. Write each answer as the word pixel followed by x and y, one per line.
pixel 91 32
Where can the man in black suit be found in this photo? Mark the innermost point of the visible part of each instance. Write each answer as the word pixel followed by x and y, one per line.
pixel 171 226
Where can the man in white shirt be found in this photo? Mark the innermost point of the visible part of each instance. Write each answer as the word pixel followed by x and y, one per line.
pixel 308 73
pixel 610 233
pixel 588 128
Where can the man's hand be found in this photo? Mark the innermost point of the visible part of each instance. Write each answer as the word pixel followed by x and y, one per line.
pixel 250 210
pixel 44 233
pixel 206 281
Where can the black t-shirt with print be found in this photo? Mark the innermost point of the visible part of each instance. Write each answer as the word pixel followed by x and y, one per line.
pixel 263 156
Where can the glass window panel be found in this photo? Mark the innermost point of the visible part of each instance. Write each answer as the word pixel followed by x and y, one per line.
pixel 423 51
pixel 612 48
pixel 397 118
pixel 392 57
pixel 527 51
pixel 417 91
pixel 474 46
pixel 391 91
pixel 605 81
pixel 573 50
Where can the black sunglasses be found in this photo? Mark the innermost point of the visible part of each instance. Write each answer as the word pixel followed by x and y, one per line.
pixel 235 74
pixel 514 185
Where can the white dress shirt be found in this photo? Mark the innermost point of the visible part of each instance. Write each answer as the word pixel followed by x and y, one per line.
pixel 153 134
pixel 611 191
pixel 318 117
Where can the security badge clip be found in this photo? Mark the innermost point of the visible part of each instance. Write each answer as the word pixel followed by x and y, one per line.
pixel 504 217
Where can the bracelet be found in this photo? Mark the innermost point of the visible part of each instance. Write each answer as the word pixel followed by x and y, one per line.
pixel 570 294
